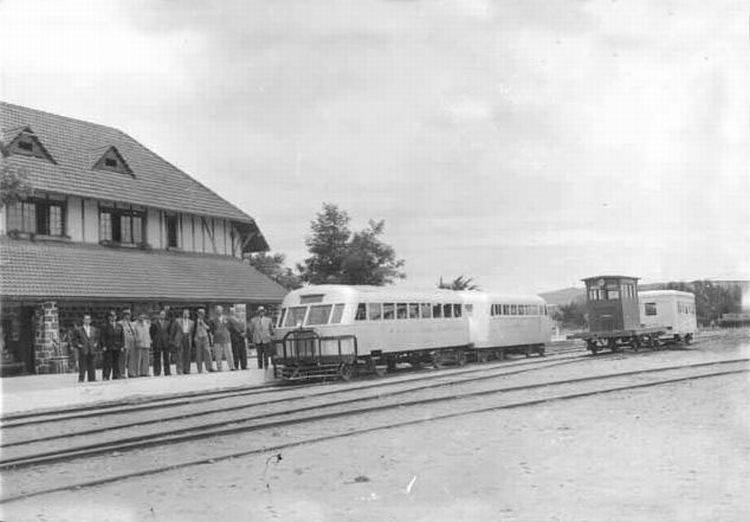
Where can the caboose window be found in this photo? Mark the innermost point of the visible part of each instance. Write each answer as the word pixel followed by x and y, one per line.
pixel 295 316
pixel 389 311
pixel 437 311
pixel 375 311
pixel 413 310
pixel 338 312
pixel 361 312
pixel 613 295
pixel 319 314
pixel 401 312
pixel 650 308
pixel 426 311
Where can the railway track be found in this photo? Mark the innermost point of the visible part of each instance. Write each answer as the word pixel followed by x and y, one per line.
pixel 379 414
pixel 174 400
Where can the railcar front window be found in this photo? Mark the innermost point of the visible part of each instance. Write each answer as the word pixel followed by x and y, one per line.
pixel 361 312
pixel 401 311
pixel 413 310
pixel 437 311
pixel 447 310
pixel 388 311
pixel 338 312
pixel 295 316
pixel 426 311
pixel 319 314
pixel 375 311
pixel 281 318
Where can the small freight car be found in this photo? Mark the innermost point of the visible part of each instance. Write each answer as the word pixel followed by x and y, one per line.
pixel 671 309
pixel 614 315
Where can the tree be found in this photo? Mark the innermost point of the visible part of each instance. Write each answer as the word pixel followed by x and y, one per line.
pixel 272 265
pixel 14 185
pixel 370 261
pixel 328 245
pixel 338 257
pixel 572 315
pixel 711 300
pixel 459 283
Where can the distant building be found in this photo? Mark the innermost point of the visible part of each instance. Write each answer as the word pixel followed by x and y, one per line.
pixel 111 225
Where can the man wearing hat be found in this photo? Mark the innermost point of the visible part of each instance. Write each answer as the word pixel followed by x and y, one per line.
pixel 112 346
pixel 261 332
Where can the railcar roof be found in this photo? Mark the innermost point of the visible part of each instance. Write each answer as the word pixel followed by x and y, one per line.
pixel 393 294
pixel 665 293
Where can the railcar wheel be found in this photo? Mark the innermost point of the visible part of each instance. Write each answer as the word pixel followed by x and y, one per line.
pixel 347 372
pixel 483 356
pixel 390 363
pixel 437 360
pixel 540 350
pixel 689 339
pixel 461 358
pixel 592 347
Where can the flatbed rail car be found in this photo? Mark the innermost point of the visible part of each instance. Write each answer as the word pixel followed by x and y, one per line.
pixel 391 326
pixel 614 316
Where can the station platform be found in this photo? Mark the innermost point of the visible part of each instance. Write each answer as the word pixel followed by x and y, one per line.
pixel 44 392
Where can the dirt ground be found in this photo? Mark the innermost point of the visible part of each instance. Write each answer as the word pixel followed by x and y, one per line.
pixel 677 452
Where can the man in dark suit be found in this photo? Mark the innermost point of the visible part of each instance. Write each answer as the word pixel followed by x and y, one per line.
pixel 160 339
pixel 112 344
pixel 86 341
pixel 180 335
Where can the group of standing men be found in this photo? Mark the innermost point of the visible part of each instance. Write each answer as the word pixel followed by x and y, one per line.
pixel 126 345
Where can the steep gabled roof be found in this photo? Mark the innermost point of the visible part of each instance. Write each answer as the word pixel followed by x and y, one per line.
pixel 156 182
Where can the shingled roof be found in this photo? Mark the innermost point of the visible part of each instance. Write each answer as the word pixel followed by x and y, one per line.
pixel 74 143
pixel 75 271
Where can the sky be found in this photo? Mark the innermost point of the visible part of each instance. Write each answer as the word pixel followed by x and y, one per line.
pixel 525 144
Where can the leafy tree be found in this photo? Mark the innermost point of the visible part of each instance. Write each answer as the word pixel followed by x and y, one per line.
pixel 273 266
pixel 370 261
pixel 328 244
pixel 711 300
pixel 338 257
pixel 459 283
pixel 14 185
pixel 572 315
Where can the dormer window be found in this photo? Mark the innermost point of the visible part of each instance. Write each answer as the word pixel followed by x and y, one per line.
pixel 24 142
pixel 109 158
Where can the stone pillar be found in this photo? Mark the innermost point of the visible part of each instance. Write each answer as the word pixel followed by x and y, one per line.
pixel 47 338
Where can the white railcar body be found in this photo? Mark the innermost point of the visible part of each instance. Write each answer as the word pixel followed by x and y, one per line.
pixel 672 309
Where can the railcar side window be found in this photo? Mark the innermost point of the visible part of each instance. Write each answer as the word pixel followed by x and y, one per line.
pixel 388 311
pixel 492 310
pixel 447 310
pixel 456 310
pixel 513 310
pixel 650 308
pixel 437 311
pixel 338 312
pixel 401 312
pixel 375 311
pixel 469 309
pixel 361 312
pixel 426 311
pixel 506 310
pixel 319 314
pixel 413 310
pixel 295 316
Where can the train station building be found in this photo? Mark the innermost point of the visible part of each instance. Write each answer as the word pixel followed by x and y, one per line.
pixel 111 225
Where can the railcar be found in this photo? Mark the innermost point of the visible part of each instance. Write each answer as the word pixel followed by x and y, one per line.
pixel 344 330
pixel 501 324
pixel 614 315
pixel 671 309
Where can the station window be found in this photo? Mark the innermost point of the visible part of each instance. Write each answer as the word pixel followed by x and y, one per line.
pixel 456 310
pixel 361 312
pixel 37 216
pixel 121 225
pixel 295 316
pixel 437 311
pixel 650 308
pixel 413 310
pixel 338 312
pixel 319 314
pixel 375 311
pixel 426 311
pixel 388 311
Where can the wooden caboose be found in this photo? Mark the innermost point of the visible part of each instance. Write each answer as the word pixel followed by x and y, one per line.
pixel 614 314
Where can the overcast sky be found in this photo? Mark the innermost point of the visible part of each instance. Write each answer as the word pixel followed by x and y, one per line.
pixel 526 144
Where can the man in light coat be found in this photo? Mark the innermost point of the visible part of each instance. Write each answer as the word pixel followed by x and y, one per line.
pixel 261 332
